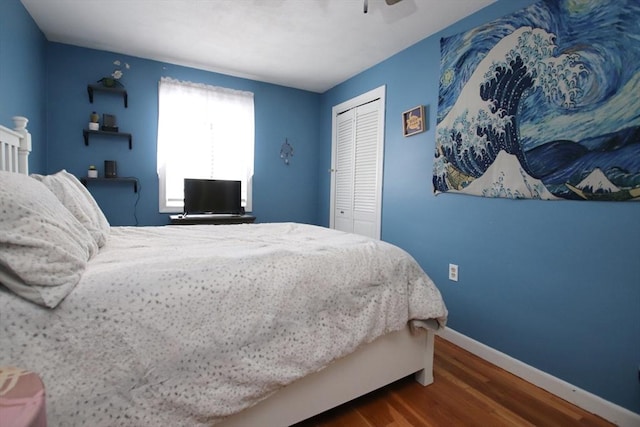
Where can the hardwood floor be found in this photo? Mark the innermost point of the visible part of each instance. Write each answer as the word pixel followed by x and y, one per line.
pixel 467 391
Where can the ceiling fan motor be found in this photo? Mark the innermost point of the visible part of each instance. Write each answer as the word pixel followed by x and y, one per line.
pixel 388 2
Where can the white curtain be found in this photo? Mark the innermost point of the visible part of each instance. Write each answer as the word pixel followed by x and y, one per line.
pixel 203 132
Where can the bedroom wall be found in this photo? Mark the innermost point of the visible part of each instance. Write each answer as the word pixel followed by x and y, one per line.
pixel 23 74
pixel 280 192
pixel 553 284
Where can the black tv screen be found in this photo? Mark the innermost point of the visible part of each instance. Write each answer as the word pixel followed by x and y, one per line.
pixel 212 196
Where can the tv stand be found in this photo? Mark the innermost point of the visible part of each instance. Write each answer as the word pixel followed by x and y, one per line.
pixel 211 219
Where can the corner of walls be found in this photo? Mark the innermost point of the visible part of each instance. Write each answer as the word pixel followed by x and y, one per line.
pixel 23 75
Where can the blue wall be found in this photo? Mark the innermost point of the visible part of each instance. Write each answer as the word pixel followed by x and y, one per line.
pixel 280 192
pixel 23 74
pixel 553 284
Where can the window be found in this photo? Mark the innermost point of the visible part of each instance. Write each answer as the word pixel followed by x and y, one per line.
pixel 203 132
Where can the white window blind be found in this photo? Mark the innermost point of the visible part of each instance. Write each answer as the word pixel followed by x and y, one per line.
pixel 203 132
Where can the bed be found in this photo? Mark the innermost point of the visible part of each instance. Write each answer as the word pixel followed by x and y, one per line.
pixel 234 325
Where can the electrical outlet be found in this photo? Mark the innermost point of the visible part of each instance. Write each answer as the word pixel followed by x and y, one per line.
pixel 453 272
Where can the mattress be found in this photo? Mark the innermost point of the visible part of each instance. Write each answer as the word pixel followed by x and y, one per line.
pixel 186 325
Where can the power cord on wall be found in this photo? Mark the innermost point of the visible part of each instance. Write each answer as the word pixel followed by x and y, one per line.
pixel 138 190
pixel 135 205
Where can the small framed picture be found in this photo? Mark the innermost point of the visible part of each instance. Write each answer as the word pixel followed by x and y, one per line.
pixel 413 121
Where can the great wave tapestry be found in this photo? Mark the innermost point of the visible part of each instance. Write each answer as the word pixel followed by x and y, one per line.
pixel 543 103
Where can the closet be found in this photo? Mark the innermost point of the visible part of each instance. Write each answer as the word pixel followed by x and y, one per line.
pixel 356 164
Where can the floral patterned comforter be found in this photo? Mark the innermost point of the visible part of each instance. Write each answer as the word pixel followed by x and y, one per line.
pixel 185 325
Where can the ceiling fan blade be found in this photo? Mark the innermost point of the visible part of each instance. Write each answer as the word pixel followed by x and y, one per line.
pixel 392 2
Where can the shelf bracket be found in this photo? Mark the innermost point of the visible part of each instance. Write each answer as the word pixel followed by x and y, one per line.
pixel 86 133
pixel 100 88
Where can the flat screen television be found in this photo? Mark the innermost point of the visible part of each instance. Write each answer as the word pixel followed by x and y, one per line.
pixel 212 196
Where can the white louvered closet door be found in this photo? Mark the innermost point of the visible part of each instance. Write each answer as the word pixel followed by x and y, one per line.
pixel 343 194
pixel 358 170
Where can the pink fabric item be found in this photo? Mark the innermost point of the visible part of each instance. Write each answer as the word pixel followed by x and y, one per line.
pixel 22 398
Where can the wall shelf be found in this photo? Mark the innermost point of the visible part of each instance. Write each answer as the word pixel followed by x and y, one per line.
pixel 86 180
pixel 116 90
pixel 86 133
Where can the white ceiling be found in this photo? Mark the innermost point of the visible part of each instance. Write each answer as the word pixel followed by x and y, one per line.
pixel 305 44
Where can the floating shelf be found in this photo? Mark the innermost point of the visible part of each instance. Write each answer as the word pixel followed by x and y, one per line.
pixel 115 90
pixel 86 133
pixel 85 180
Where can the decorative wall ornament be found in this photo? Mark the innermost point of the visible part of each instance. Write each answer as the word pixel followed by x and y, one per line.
pixel 413 121
pixel 286 151
pixel 543 103
pixel 113 80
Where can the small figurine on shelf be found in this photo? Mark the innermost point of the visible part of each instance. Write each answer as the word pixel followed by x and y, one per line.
pixel 92 172
pixel 93 124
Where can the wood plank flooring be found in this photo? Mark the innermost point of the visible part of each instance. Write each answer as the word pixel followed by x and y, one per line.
pixel 467 391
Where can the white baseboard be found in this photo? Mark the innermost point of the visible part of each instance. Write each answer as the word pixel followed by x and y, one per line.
pixel 581 398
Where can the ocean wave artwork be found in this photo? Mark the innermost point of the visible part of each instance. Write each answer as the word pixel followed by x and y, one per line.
pixel 543 103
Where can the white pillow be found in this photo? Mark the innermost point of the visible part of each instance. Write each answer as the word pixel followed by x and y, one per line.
pixel 43 248
pixel 75 197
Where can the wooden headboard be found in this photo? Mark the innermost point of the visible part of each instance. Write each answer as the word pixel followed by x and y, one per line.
pixel 15 146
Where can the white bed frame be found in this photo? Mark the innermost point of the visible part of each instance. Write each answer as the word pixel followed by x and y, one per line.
pixel 374 365
pixel 385 360
pixel 15 146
